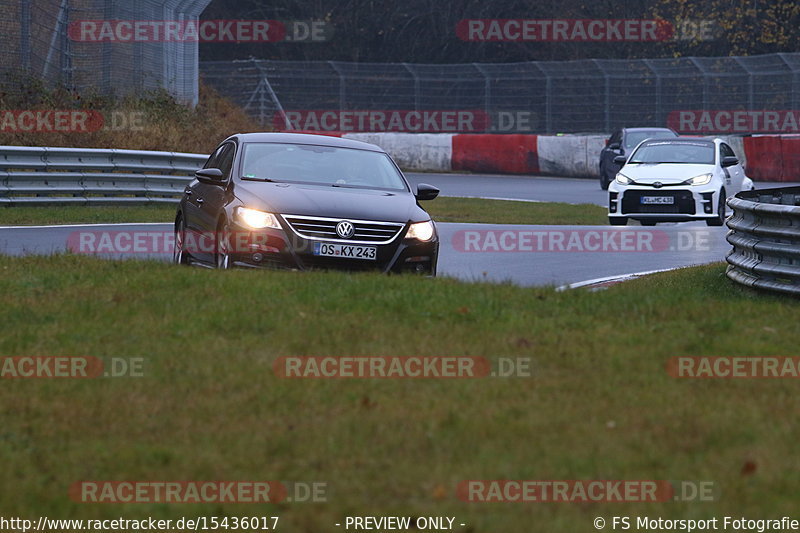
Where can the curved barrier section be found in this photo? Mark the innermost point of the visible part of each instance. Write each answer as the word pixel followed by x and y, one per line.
pixel 765 235
pixel 507 154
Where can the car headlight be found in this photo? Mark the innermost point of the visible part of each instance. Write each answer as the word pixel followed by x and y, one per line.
pixel 256 219
pixel 622 179
pixel 702 179
pixel 422 231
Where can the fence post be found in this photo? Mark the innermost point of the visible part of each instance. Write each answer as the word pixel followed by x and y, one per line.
pixel 795 86
pixel 659 88
pixel 416 85
pixel 703 71
pixel 548 106
pixel 25 35
pixel 487 90
pixel 342 87
pixel 607 95
pixel 57 28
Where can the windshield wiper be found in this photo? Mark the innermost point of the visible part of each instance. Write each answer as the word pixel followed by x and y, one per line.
pixel 253 178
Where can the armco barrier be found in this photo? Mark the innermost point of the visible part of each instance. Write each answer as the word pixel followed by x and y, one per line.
pixel 38 176
pixel 47 176
pixel 765 234
pixel 507 154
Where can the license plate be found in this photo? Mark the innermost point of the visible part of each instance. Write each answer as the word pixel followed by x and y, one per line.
pixel 658 200
pixel 346 251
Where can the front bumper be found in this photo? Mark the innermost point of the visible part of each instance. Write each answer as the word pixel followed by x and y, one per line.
pixel 687 203
pixel 284 249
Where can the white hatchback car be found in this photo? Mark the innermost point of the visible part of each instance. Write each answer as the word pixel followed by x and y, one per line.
pixel 676 180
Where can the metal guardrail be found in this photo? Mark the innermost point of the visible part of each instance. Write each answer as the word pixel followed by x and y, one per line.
pixel 82 176
pixel 765 234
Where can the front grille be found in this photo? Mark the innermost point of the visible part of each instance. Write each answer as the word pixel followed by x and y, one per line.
pixel 366 231
pixel 683 205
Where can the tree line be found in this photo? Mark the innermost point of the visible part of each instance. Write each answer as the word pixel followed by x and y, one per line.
pixel 426 31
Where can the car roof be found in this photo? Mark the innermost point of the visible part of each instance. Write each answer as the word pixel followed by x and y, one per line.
pixel 680 140
pixel 305 138
pixel 648 129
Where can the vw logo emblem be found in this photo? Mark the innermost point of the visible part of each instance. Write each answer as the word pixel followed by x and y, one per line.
pixel 658 185
pixel 345 229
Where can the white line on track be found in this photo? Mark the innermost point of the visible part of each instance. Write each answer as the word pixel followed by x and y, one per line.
pixel 617 278
pixel 496 198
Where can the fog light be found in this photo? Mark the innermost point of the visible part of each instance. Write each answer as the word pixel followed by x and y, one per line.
pixel 258 257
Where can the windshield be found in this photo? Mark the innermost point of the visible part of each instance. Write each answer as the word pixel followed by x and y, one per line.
pixel 632 138
pixel 320 165
pixel 671 152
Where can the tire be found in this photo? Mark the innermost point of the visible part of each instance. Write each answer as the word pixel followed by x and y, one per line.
pixel 222 253
pixel 718 220
pixel 618 221
pixel 179 255
pixel 604 181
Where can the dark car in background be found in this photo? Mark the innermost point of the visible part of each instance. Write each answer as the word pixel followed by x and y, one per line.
pixel 621 143
pixel 303 202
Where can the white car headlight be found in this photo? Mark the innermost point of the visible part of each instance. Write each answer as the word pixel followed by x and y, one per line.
pixel 422 231
pixel 702 179
pixel 256 219
pixel 623 179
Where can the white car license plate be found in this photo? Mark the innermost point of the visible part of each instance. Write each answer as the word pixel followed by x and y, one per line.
pixel 658 200
pixel 346 251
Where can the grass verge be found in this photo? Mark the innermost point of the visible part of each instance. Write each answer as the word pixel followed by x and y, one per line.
pixel 442 210
pixel 73 214
pixel 477 210
pixel 599 406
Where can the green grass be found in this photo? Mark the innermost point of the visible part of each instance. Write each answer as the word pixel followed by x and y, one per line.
pixel 600 404
pixel 476 210
pixel 27 216
pixel 442 210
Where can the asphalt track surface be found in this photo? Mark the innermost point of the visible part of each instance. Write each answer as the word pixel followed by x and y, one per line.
pixel 525 255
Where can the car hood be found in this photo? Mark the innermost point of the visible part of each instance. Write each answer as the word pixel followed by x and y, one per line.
pixel 664 172
pixel 333 202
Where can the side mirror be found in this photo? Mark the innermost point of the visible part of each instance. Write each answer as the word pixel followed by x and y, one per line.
pixel 729 161
pixel 615 146
pixel 211 176
pixel 426 192
pixel 620 160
